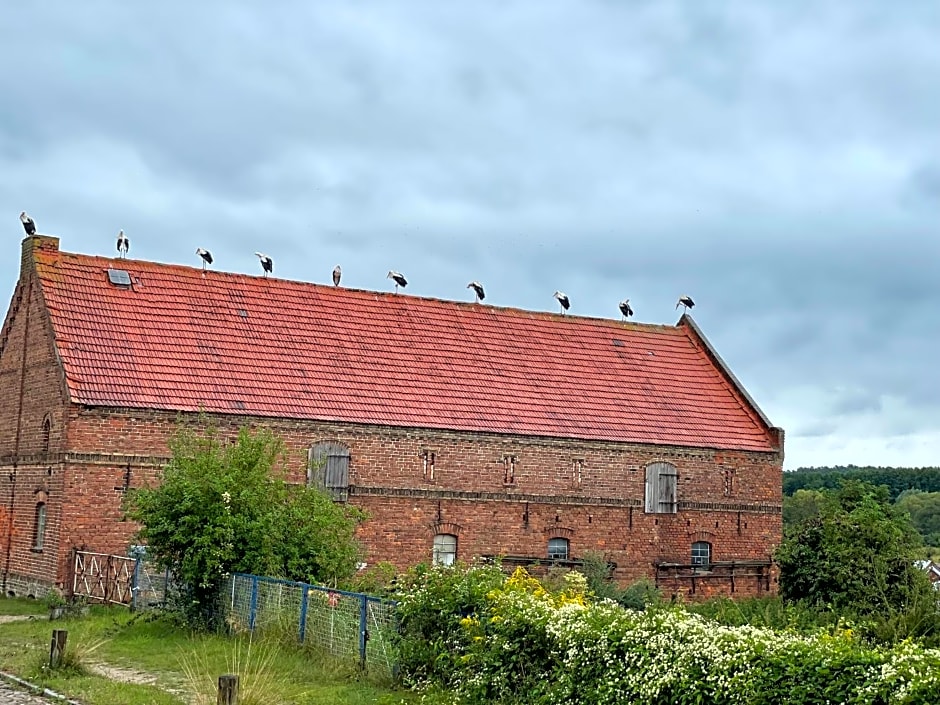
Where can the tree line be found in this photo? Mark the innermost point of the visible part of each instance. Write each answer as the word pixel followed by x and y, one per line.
pixel 897 480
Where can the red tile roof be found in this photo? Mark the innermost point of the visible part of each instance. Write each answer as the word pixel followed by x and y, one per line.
pixel 181 339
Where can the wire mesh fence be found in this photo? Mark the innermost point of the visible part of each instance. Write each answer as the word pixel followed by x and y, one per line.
pixel 349 625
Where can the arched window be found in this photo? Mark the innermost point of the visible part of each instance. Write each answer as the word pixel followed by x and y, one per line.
pixel 445 549
pixel 328 469
pixel 701 554
pixel 661 488
pixel 558 549
pixel 39 529
pixel 46 433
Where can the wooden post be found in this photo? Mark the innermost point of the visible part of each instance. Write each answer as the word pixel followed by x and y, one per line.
pixel 57 648
pixel 228 690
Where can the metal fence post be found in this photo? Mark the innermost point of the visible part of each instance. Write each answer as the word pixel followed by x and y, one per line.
pixel 253 604
pixel 363 630
pixel 135 584
pixel 303 611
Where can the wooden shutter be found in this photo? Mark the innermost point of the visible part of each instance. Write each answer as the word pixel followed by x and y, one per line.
pixel 652 483
pixel 329 469
pixel 661 481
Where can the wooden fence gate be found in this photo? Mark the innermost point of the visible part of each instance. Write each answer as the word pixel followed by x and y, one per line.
pixel 103 577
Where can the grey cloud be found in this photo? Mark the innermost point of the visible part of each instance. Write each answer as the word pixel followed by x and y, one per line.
pixel 815 430
pixel 776 161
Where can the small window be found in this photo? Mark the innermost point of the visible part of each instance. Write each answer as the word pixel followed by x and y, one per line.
pixel 578 472
pixel 701 554
pixel 661 488
pixel 428 458
pixel 509 469
pixel 558 549
pixel 328 469
pixel 39 530
pixel 46 433
pixel 729 482
pixel 445 549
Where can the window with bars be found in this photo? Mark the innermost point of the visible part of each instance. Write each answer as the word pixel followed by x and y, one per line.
pixel 661 480
pixel 729 482
pixel 701 554
pixel 328 469
pixel 509 469
pixel 445 549
pixel 558 549
pixel 428 460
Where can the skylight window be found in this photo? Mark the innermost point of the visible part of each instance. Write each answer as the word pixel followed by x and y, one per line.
pixel 119 277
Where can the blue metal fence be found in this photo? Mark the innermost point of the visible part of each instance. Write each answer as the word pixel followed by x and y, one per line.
pixel 350 625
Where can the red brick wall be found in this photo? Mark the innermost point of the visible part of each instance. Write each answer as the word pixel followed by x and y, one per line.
pixel 32 395
pixel 740 519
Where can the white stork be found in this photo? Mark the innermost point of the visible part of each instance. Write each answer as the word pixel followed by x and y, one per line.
pixel 206 256
pixel 29 225
pixel 478 290
pixel 685 301
pixel 123 244
pixel 398 278
pixel 563 300
pixel 626 309
pixel 267 264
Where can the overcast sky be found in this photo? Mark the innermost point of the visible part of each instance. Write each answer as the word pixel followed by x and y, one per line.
pixel 778 161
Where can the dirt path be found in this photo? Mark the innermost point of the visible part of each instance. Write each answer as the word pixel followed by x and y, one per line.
pixel 11 695
pixel 19 617
pixel 130 675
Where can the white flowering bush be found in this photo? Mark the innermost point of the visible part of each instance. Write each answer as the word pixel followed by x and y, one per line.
pixel 520 643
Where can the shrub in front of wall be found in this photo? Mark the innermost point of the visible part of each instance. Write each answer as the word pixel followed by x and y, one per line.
pixel 523 644
pixel 431 603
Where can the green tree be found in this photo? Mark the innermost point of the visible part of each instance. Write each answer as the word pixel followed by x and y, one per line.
pixel 857 554
pixel 924 510
pixel 225 508
pixel 801 506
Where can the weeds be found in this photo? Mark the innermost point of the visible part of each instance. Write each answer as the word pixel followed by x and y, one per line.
pixel 259 681
pixel 75 660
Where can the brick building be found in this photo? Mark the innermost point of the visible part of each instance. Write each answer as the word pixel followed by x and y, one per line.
pixel 463 429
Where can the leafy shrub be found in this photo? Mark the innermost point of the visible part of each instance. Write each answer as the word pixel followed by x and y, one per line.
pixel 431 603
pixel 856 554
pixel 771 612
pixel 509 640
pixel 226 507
pixel 378 579
pixel 640 594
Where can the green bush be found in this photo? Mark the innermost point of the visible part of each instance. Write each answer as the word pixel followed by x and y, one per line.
pixel 857 554
pixel 431 603
pixel 640 594
pixel 225 507
pixel 509 640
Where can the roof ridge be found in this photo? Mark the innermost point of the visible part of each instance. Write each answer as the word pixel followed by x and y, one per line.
pixel 114 262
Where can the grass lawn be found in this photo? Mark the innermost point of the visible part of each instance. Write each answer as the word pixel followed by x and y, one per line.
pixel 22 606
pixel 144 659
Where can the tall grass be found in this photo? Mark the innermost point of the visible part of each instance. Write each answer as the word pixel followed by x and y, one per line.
pixel 75 660
pixel 260 683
